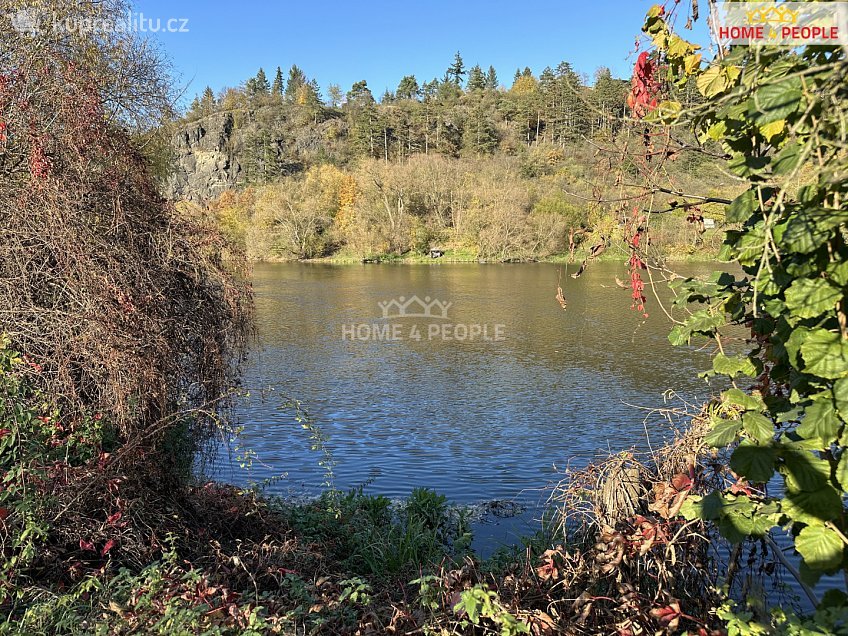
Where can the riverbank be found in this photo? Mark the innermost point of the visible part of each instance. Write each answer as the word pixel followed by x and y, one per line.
pixel 453 256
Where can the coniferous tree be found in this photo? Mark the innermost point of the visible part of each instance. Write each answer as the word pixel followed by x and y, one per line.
pixel 277 86
pixel 261 85
pixel 456 71
pixel 362 113
pixel 492 79
pixel 297 78
pixel 476 79
pixel 408 88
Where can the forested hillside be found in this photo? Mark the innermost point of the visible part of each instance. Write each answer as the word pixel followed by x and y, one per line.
pixel 462 163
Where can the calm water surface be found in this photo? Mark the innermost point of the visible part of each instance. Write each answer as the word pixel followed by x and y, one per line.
pixel 476 420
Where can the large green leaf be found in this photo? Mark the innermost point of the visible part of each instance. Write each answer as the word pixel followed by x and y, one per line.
pixel 820 546
pixel 733 365
pixel 738 397
pixel 811 297
pixel 820 423
pixel 723 432
pixel 756 463
pixel 758 426
pixel 809 229
pixel 787 159
pixel 825 354
pixel 814 506
pixel 742 207
pixel 705 323
pixel 804 471
pixel 776 101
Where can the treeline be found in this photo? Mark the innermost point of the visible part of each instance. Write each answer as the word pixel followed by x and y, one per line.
pixel 459 162
pixel 468 112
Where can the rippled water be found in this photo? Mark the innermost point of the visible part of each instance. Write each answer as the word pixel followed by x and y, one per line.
pixel 476 420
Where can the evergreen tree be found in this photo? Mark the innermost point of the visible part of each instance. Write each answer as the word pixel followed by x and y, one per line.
pixel 364 120
pixel 408 88
pixel 608 99
pixel 277 86
pixel 527 72
pixel 456 71
pixel 516 77
pixel 476 79
pixel 261 86
pixel 297 78
pixel 492 79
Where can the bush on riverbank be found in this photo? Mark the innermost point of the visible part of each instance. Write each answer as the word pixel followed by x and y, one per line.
pixel 485 208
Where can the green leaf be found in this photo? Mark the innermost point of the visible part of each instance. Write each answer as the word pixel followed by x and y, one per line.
pixel 820 423
pixel 809 229
pixel 804 471
pixel 842 471
pixel 811 297
pixel 776 101
pixel 705 323
pixel 707 508
pixel 738 397
pixel 733 366
pixel 840 395
pixel 745 165
pixel 825 354
pixel 742 207
pixel 815 506
pixel 787 159
pixel 679 335
pixel 758 426
pixel 820 546
pixel 723 432
pixel 756 463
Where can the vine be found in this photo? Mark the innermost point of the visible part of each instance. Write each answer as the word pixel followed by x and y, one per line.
pixel 779 117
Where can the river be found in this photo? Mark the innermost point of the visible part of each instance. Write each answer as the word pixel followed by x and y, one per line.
pixel 489 392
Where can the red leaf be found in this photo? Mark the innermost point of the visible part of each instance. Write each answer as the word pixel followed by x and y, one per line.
pixel 86 545
pixel 4 512
pixel 113 518
pixel 109 545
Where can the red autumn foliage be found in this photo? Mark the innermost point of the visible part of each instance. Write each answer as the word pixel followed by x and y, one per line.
pixel 644 86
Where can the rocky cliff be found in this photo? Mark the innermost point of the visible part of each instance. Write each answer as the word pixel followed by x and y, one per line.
pixel 229 150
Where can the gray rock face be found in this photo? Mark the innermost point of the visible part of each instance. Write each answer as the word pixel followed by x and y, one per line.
pixel 205 162
pixel 248 146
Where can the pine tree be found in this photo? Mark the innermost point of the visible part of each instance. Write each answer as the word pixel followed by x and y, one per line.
pixel 456 71
pixel 261 86
pixel 516 77
pixel 297 78
pixel 408 88
pixel 277 87
pixel 207 101
pixel 476 79
pixel 364 123
pixel 492 79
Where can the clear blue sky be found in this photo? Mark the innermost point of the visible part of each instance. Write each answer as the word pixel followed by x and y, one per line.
pixel 383 40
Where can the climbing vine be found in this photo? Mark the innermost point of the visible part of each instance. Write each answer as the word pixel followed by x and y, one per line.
pixel 779 116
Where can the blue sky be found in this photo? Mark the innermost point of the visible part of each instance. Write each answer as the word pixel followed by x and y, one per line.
pixel 381 40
